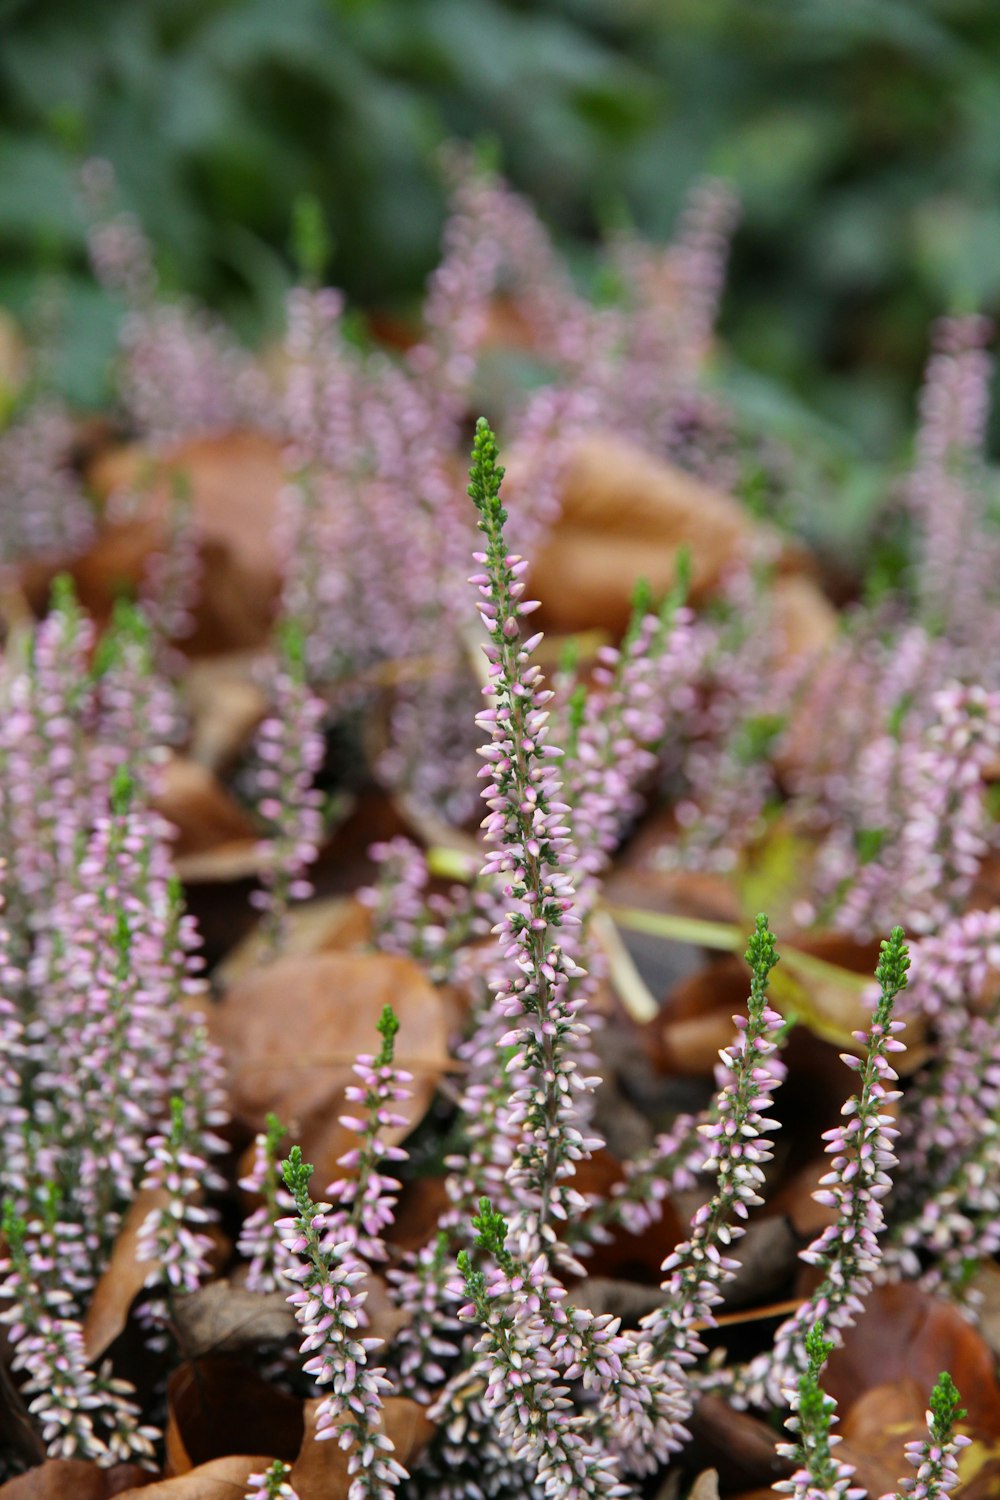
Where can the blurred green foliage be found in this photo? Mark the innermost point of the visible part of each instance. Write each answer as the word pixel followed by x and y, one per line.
pixel 863 135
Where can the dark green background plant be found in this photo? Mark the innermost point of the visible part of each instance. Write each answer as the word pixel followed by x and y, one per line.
pixel 864 138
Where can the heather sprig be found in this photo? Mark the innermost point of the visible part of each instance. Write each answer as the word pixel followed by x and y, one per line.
pixel 366 1193
pixel 82 1413
pixel 329 1306
pixel 259 1241
pixel 172 1236
pixel 820 1476
pixel 848 1250
pixel 737 1151
pixel 526 1393
pixel 935 1458
pixel 530 858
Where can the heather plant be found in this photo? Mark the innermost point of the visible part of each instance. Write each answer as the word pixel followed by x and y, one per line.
pixel 99 960
pixel 877 754
pixel 542 1397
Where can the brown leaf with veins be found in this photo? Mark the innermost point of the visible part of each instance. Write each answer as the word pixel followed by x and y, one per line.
pixel 74 1479
pixel 292 1029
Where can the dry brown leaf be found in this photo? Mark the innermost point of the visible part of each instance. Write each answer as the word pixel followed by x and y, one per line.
pixel 233 482
pixel 626 515
pixel 907 1334
pixel 213 1403
pixel 332 924
pixel 320 1471
pixel 204 814
pixel 226 703
pixel 740 1446
pixel 74 1479
pixel 292 1029
pixel 222 1479
pixel 804 617
pixel 696 1017
pixel 123 1277
pixel 233 479
pixel 224 1319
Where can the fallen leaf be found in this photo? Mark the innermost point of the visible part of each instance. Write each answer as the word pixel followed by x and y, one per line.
pixel 804 618
pixel 332 924
pixel 226 702
pixel 985 1286
pixel 741 1446
pixel 122 1279
pixel 222 1479
pixel 205 816
pixel 320 1471
pixel 224 1319
pixel 74 1479
pixel 905 1333
pixel 626 515
pixel 213 1403
pixel 292 1029
pixel 233 482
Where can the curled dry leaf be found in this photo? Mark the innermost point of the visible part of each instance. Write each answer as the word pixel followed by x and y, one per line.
pixel 123 1277
pixel 292 1029
pixel 626 515
pixel 222 1479
pixel 212 1405
pixel 74 1479
pixel 224 1319
pixel 320 1471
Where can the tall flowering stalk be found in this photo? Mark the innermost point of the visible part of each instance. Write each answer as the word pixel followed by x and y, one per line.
pixel 820 1476
pixel 530 858
pixel 173 1236
pixel 948 1196
pixel 738 1149
pixel 848 1250
pixel 289 750
pixel 333 1246
pixel 948 493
